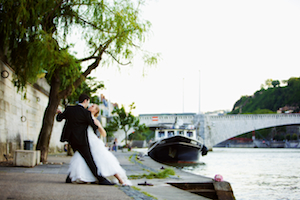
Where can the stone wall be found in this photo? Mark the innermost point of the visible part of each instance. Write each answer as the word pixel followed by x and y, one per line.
pixel 21 119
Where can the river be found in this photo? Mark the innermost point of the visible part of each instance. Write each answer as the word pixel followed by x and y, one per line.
pixel 255 173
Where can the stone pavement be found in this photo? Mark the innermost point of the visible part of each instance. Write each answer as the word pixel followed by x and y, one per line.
pixel 48 182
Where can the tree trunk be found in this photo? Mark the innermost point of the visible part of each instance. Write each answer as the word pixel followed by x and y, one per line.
pixel 48 120
pixel 54 99
pixel 125 138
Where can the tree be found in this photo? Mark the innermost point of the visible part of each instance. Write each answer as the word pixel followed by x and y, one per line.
pixel 269 82
pixel 111 127
pixel 124 120
pixel 263 111
pixel 34 38
pixel 275 83
pixel 90 86
pixel 294 82
pixel 141 132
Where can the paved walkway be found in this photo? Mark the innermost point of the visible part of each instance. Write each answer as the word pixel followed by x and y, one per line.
pixel 48 182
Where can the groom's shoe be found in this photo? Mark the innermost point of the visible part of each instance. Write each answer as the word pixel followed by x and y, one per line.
pixel 104 181
pixel 68 179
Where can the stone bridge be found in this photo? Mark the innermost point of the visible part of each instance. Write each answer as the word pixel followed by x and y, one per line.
pixel 215 129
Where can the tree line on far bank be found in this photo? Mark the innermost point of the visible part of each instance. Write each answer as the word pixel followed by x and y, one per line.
pixel 269 100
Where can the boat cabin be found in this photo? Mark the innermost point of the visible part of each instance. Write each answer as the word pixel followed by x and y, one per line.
pixel 165 133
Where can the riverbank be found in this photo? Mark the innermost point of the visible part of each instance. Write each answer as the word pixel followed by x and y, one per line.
pixel 238 143
pixel 48 182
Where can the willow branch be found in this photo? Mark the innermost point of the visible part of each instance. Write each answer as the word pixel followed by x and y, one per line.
pixel 117 59
pixel 100 49
pixel 133 43
pixel 86 59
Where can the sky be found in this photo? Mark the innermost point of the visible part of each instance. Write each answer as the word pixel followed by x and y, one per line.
pixel 212 53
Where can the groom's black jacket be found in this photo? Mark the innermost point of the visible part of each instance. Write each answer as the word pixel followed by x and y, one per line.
pixel 77 121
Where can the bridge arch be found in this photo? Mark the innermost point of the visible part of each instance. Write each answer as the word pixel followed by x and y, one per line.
pixel 215 129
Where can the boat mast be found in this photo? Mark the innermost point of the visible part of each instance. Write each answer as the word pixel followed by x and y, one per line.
pixel 183 95
pixel 199 111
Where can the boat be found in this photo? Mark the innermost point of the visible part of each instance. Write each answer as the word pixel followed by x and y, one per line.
pixel 176 145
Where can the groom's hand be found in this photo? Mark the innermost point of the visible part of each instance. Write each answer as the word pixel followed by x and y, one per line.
pixel 58 111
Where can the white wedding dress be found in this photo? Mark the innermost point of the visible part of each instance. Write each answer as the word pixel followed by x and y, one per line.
pixel 107 164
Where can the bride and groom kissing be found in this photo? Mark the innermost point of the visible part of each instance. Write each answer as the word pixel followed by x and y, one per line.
pixel 91 162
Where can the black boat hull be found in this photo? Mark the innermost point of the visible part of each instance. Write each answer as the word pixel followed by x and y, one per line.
pixel 175 152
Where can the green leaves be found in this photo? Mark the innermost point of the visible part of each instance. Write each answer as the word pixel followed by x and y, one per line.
pixel 90 86
pixel 34 34
pixel 270 100
pixel 125 121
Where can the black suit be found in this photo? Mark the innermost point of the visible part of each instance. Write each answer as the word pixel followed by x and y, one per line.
pixel 75 132
pixel 77 121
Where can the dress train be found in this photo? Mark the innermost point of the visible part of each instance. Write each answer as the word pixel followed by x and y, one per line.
pixel 107 164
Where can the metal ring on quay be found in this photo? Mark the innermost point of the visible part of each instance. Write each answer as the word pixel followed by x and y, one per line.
pixel 23 119
pixel 4 74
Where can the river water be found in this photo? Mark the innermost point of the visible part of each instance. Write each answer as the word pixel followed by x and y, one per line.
pixel 254 173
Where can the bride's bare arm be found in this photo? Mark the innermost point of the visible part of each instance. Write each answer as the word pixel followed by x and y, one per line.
pixel 100 128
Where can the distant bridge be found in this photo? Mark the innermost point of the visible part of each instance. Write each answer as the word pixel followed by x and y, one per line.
pixel 215 129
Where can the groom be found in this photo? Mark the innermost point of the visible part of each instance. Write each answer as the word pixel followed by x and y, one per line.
pixel 78 118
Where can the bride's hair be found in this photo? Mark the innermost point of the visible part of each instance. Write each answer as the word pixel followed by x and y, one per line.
pixel 98 110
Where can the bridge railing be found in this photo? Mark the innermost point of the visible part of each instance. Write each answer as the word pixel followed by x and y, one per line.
pixel 255 116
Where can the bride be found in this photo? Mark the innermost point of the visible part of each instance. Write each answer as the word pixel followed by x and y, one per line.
pixel 107 164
